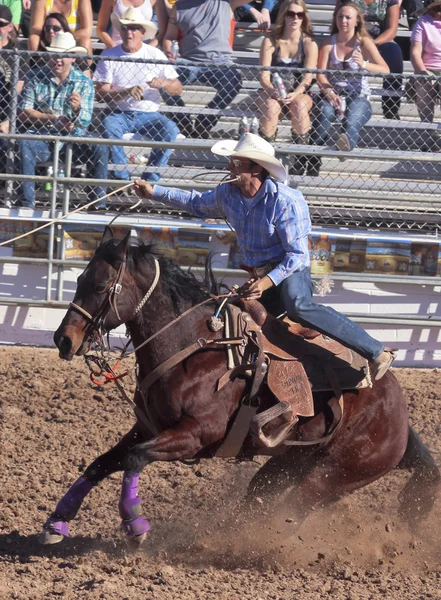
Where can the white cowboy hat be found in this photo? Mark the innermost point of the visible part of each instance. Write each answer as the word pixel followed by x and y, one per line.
pixel 132 16
pixel 65 42
pixel 254 148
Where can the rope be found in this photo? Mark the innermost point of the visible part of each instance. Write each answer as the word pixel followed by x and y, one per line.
pixel 57 220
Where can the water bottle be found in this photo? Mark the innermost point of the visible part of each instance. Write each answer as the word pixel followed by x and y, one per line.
pixel 279 85
pixel 243 126
pixel 340 113
pixel 48 184
pixel 254 127
pixel 174 50
pixel 60 186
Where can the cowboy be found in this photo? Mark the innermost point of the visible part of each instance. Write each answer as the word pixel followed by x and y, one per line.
pixel 134 87
pixel 58 100
pixel 272 225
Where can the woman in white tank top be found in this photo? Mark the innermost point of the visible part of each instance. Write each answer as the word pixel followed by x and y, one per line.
pixel 119 7
pixel 348 49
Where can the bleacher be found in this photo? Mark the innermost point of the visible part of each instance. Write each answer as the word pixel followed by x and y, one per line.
pixel 387 181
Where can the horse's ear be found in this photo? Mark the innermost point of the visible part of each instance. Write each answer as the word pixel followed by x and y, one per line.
pixel 122 246
pixel 107 235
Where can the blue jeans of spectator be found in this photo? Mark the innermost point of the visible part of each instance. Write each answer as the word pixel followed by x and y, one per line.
pixel 392 55
pixel 295 296
pixel 33 151
pixel 227 81
pixel 358 112
pixel 152 125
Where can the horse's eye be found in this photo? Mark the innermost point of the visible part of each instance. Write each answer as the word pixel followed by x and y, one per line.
pixel 100 288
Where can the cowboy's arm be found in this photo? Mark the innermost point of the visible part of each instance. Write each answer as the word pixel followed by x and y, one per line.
pixel 83 116
pixel 200 205
pixel 293 226
pixel 29 114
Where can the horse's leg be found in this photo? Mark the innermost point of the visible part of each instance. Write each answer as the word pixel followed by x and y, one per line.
pixel 130 508
pixel 56 528
pixel 418 496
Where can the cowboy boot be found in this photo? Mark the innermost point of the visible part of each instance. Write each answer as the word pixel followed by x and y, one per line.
pixel 297 164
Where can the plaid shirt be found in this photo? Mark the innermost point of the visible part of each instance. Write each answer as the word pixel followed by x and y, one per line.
pixel 41 92
pixel 273 226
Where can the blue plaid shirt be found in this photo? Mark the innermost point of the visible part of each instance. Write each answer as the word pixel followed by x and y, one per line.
pixel 41 92
pixel 273 226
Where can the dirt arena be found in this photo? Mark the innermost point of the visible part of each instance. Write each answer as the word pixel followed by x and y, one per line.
pixel 53 423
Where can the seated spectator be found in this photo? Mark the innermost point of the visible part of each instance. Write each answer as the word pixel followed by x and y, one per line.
pixel 134 88
pixel 15 6
pixel 348 48
pixel 263 12
pixel 59 101
pixel 78 14
pixel 8 41
pixel 205 29
pixel 114 9
pixel 413 9
pixel 290 46
pixel 381 18
pixel 53 24
pixel 425 55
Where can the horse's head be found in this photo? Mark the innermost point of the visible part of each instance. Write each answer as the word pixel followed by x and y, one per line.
pixel 106 297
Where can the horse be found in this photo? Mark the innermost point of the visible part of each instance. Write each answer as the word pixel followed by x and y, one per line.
pixel 166 310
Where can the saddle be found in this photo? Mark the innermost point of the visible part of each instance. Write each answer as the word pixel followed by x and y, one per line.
pixel 296 363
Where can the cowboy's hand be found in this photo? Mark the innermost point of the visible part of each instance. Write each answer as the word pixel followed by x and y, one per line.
pixel 136 92
pixel 143 189
pixel 63 123
pixel 74 101
pixel 254 288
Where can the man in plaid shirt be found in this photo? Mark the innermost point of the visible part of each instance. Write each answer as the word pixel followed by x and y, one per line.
pixel 272 225
pixel 58 100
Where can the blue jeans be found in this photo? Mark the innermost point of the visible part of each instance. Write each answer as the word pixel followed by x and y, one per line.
pixel 227 82
pixel 358 112
pixel 392 55
pixel 152 125
pixel 33 151
pixel 294 295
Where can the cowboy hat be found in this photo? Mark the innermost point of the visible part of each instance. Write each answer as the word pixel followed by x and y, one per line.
pixel 254 148
pixel 65 42
pixel 424 11
pixel 132 16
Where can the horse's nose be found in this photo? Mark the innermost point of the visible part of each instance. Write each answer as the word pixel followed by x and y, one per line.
pixel 64 345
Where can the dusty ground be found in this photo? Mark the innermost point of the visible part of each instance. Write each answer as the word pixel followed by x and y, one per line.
pixel 53 423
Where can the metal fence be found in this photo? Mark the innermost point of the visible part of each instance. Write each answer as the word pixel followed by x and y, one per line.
pixel 354 166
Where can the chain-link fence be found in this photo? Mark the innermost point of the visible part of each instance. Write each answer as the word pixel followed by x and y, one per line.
pixel 157 120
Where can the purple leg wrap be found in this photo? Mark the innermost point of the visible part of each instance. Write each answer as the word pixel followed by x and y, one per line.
pixel 68 506
pixel 130 506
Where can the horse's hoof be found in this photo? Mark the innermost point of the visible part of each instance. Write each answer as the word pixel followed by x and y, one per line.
pixel 138 540
pixel 48 538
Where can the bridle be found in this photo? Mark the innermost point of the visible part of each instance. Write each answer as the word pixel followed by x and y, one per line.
pixel 95 323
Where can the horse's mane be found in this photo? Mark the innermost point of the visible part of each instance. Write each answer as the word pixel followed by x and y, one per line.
pixel 181 286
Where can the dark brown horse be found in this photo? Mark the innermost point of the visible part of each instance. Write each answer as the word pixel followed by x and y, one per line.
pixel 128 284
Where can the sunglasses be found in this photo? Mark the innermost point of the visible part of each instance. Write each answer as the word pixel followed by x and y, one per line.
pixel 237 162
pixel 54 28
pixel 132 28
pixel 4 24
pixel 292 14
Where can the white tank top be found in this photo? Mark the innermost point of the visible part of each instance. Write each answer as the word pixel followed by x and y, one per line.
pixel 119 9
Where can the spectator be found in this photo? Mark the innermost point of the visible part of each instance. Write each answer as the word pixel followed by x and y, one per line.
pixel 134 87
pixel 264 12
pixel 113 9
pixel 381 19
pixel 413 9
pixel 25 20
pixel 205 29
pixel 53 24
pixel 8 41
pixel 349 49
pixel 58 101
pixel 15 6
pixel 425 55
pixel 290 46
pixel 77 12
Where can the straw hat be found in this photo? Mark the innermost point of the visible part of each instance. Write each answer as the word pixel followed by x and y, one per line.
pixel 133 16
pixel 254 148
pixel 65 42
